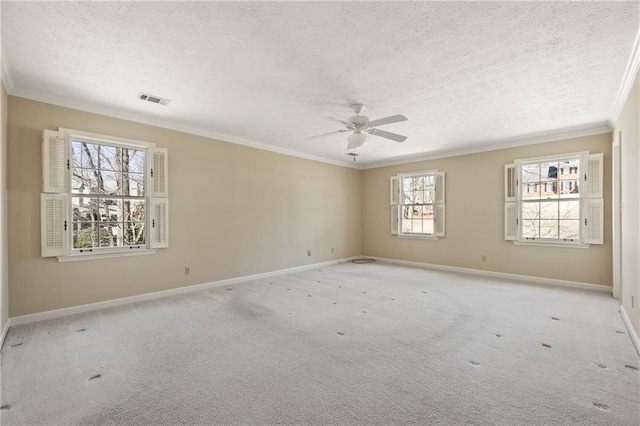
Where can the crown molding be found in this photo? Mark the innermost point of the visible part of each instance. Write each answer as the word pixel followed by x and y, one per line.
pixel 110 112
pixel 629 77
pixel 548 136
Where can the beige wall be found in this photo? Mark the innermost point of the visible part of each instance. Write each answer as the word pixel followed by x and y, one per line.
pixel 475 218
pixel 234 211
pixel 4 262
pixel 629 125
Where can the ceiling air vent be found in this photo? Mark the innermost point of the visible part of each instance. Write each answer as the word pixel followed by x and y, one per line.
pixel 153 99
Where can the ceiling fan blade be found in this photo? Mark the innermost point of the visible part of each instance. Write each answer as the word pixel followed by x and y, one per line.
pixel 350 126
pixel 326 134
pixel 388 120
pixel 393 136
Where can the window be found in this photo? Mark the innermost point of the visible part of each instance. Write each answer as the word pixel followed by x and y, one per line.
pixel 571 215
pixel 417 204
pixel 102 196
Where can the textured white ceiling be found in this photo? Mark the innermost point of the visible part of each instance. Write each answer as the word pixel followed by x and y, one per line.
pixel 466 75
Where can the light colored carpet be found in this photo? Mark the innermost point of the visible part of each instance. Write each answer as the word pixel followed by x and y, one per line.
pixel 345 344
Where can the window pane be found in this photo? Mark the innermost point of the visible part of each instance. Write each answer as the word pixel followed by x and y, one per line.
pixel 570 229
pixel 427 226
pixel 570 187
pixel 418 197
pixel 133 233
pixel 85 181
pixel 570 209
pixel 109 234
pixel 135 160
pixel 531 210
pixel 137 211
pixel 85 209
pixel 530 228
pixel 85 235
pixel 84 155
pixel 110 158
pixel 427 219
pixel 530 191
pixel 548 229
pixel 110 181
pixel 136 184
pixel 549 171
pixel 416 221
pixel 530 173
pixel 549 210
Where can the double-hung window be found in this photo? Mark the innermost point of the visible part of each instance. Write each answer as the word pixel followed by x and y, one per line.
pixel 102 196
pixel 555 200
pixel 417 204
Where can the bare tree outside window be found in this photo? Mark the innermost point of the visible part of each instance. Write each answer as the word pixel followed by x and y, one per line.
pixel 107 195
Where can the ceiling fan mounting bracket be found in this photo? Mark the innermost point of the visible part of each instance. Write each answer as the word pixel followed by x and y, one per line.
pixel 357 108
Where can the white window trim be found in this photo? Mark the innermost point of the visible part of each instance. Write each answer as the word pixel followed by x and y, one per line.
pixel 114 254
pixel 396 203
pixel 150 198
pixel 583 197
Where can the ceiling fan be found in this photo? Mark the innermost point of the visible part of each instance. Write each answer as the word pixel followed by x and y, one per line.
pixel 361 127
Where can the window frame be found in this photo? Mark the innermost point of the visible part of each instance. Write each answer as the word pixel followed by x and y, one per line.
pixel 438 204
pixel 58 192
pixel 514 199
pixel 148 153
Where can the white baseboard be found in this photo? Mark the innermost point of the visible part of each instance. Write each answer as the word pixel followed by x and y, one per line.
pixel 58 313
pixel 527 278
pixel 630 329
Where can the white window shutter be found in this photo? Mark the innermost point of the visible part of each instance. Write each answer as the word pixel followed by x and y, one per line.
pixel 440 188
pixel 55 162
pixel 510 202
pixel 593 203
pixel 438 206
pixel 510 182
pixel 593 221
pixel 510 220
pixel 53 221
pixel 159 222
pixel 395 219
pixel 593 176
pixel 438 220
pixel 159 173
pixel 394 190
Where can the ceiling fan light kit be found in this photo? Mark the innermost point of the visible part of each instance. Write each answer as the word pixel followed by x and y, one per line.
pixel 356 140
pixel 361 127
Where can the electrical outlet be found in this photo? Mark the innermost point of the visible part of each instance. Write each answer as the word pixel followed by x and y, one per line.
pixel 308 253
pixel 187 270
pixel 332 250
pixel 484 258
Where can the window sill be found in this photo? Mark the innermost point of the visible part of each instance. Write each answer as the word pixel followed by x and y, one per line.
pixel 552 244
pixel 80 257
pixel 420 237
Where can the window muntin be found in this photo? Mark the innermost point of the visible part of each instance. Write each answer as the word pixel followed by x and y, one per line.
pixel 108 196
pixel 417 204
pixel 552 211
